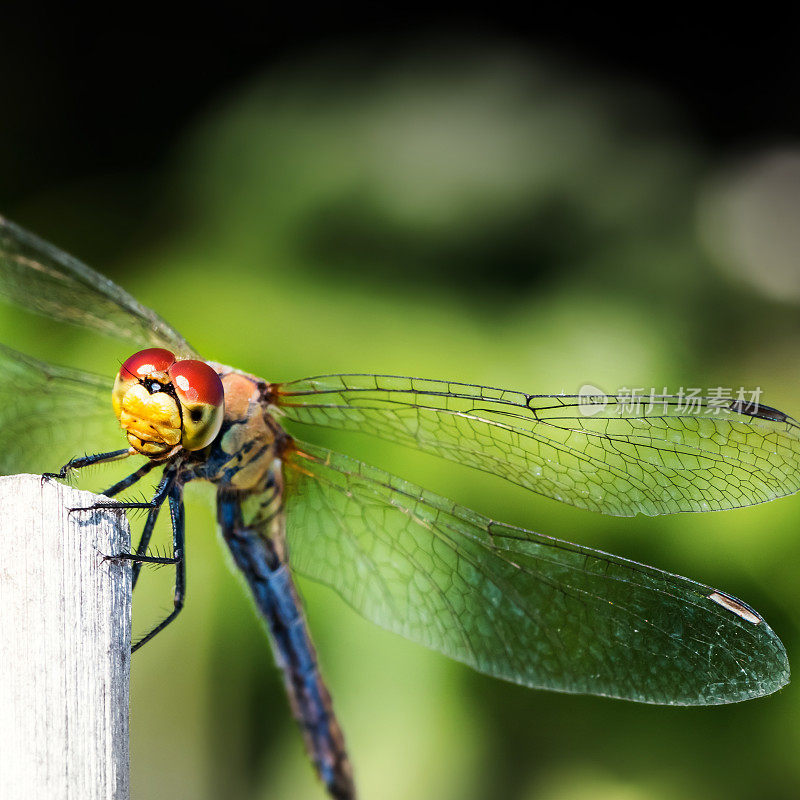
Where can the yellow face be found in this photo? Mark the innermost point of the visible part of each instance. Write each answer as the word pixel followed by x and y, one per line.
pixel 165 405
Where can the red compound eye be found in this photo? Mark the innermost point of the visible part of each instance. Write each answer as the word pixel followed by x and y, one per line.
pixel 152 361
pixel 202 399
pixel 196 382
pixel 145 362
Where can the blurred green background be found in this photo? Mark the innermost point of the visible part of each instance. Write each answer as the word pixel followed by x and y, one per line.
pixel 489 210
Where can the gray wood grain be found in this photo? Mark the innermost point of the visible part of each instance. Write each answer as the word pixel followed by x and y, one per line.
pixel 65 627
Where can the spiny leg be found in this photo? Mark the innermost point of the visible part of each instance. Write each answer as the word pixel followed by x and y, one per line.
pixel 125 483
pixel 153 506
pixel 167 488
pixel 156 502
pixel 178 552
pixel 87 461
pixel 161 492
pixel 120 485
pixel 147 532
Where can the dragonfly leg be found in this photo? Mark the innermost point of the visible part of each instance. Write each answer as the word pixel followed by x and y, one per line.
pixel 87 461
pixel 122 505
pixel 175 495
pixel 147 532
pixel 153 506
pixel 131 479
pixel 162 490
pixel 152 516
pixel 144 543
pixel 143 559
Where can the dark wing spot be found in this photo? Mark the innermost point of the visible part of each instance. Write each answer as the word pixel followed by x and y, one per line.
pixel 758 410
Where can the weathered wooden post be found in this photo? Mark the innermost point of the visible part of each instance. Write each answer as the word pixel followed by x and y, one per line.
pixel 64 645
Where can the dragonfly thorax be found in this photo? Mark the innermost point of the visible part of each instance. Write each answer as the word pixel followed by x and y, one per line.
pixel 250 440
pixel 165 405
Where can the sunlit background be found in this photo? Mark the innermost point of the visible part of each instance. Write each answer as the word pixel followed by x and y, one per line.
pixel 498 210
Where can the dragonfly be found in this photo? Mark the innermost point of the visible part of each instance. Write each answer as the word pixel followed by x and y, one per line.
pixel 509 602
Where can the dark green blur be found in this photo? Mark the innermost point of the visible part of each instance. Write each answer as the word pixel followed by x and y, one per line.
pixel 468 215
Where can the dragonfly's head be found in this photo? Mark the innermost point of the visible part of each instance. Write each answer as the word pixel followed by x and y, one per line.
pixel 164 404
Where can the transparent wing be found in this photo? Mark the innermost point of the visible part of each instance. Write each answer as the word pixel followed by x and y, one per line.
pixel 604 454
pixel 43 279
pixel 49 414
pixel 517 605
